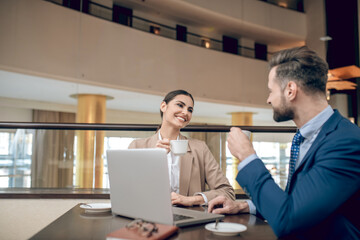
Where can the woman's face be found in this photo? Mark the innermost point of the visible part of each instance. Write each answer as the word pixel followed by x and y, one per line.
pixel 178 111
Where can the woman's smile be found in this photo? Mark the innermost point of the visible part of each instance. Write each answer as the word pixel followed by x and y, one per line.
pixel 178 112
pixel 181 118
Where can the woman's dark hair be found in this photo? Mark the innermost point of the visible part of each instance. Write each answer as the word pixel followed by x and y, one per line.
pixel 170 96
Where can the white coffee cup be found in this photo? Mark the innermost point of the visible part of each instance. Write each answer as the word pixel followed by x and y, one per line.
pixel 179 147
pixel 247 133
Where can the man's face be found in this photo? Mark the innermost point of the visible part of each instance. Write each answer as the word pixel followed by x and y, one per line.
pixel 282 109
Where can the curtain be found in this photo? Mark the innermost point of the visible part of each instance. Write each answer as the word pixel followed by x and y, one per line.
pixel 53 152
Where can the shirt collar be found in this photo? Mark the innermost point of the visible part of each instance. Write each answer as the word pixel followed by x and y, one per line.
pixel 312 126
pixel 160 138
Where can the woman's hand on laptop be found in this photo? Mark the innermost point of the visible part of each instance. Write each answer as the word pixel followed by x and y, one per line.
pixel 164 143
pixel 177 199
pixel 223 205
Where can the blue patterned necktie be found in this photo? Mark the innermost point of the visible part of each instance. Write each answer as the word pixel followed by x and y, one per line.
pixel 294 155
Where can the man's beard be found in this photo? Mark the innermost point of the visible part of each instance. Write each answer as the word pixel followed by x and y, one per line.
pixel 283 113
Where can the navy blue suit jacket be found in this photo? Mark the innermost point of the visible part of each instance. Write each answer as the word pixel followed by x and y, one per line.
pixel 323 200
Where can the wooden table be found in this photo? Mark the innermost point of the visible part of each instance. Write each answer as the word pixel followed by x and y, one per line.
pixel 76 224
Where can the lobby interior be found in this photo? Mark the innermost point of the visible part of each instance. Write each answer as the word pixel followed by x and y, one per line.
pixel 134 52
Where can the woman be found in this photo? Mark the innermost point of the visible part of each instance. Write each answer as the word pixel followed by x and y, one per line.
pixel 188 173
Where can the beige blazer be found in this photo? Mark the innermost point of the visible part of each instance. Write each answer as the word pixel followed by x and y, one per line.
pixel 197 168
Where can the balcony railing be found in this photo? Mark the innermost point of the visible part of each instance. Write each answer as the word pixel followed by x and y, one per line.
pixel 104 12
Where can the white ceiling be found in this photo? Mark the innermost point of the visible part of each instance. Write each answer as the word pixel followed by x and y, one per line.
pixel 33 88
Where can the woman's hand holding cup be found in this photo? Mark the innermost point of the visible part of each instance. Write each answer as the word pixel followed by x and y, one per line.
pixel 164 143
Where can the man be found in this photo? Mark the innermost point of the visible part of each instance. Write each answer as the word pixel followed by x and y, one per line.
pixel 322 199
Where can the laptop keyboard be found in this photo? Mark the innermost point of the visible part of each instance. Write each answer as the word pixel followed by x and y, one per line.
pixel 178 217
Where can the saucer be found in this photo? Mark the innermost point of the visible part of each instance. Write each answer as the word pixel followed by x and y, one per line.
pixel 226 228
pixel 96 207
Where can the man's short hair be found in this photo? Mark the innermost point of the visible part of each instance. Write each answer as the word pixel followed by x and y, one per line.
pixel 302 65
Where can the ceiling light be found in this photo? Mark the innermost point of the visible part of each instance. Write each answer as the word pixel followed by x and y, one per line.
pixel 325 38
pixel 205 43
pixel 155 30
pixel 283 4
pixel 328 94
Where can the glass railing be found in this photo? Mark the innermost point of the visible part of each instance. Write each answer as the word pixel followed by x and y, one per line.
pixel 73 156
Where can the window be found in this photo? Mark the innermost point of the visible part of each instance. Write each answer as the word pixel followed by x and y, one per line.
pixel 275 156
pixel 16 153
pixel 15 158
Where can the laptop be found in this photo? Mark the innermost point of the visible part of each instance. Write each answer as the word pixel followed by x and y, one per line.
pixel 140 188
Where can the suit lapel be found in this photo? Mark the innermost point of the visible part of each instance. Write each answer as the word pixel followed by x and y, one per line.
pixel 186 162
pixel 312 149
pixel 328 127
pixel 153 140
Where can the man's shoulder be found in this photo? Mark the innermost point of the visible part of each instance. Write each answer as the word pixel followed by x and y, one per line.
pixel 347 127
pixel 340 133
pixel 341 124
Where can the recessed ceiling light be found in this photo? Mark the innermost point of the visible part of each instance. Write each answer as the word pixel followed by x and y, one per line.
pixel 326 38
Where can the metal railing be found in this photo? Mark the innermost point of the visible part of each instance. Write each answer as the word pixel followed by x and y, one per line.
pixel 138 127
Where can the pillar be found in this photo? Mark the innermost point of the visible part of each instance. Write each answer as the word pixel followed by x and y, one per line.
pixel 239 119
pixel 90 144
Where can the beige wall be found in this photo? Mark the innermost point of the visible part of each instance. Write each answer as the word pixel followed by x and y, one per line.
pixel 22 218
pixel 14 114
pixel 316 26
pixel 45 39
pixel 259 15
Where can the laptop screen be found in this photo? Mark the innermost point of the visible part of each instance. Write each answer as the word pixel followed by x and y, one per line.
pixel 139 184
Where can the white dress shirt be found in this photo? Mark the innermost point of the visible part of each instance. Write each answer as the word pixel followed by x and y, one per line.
pixel 174 169
pixel 174 173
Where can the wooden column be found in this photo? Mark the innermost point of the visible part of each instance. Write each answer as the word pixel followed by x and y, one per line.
pixel 90 144
pixel 239 119
pixel 242 118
